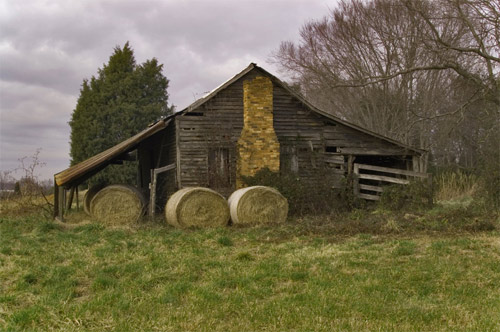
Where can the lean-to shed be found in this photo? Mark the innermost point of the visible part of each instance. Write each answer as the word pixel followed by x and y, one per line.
pixel 250 122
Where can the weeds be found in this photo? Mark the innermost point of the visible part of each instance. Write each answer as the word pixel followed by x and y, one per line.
pixel 454 185
pixel 319 196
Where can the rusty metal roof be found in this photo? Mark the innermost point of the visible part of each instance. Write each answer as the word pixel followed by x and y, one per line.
pixel 80 171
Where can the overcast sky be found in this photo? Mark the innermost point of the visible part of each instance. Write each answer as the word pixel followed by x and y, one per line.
pixel 48 47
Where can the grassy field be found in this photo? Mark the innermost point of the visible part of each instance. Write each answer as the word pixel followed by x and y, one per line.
pixel 307 275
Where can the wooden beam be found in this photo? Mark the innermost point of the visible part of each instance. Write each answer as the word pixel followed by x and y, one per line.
pixel 70 198
pixel 369 197
pixel 56 199
pixel 178 154
pixel 393 170
pixel 371 188
pixel 152 195
pixel 355 181
pixel 164 168
pixel 60 201
pixel 383 178
pixel 350 162
pixel 374 151
pixel 77 199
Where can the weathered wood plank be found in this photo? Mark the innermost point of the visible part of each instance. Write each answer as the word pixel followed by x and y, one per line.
pixel 393 170
pixel 374 152
pixel 383 178
pixel 371 188
pixel 369 197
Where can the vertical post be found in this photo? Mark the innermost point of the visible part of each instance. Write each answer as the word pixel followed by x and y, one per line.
pixel 356 180
pixel 56 199
pixel 70 198
pixel 178 178
pixel 61 199
pixel 152 195
pixel 77 200
pixel 416 163
pixel 350 162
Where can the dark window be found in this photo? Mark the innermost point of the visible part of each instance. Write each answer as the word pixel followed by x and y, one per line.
pixel 219 175
pixel 194 114
pixel 331 149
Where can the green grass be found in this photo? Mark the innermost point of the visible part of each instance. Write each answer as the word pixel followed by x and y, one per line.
pixel 301 276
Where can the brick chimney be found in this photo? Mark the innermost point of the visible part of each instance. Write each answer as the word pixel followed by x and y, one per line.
pixel 258 146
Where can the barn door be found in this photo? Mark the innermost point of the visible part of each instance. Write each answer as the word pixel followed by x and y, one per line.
pixel 219 175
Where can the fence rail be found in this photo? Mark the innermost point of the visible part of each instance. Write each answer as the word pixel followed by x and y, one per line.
pixel 377 181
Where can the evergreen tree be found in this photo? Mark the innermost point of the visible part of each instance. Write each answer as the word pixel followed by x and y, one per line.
pixel 117 104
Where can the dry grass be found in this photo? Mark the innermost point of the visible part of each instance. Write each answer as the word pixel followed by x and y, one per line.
pixel 455 186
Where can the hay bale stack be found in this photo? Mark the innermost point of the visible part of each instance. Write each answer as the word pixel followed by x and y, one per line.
pixel 118 204
pixel 87 198
pixel 257 205
pixel 199 207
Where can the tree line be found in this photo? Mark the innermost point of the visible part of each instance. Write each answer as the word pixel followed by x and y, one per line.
pixel 422 72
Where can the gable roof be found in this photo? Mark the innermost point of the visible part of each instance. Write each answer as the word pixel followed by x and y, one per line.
pixel 296 95
pixel 85 169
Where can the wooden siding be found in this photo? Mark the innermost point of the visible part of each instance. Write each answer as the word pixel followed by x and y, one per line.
pixel 215 124
pixel 322 146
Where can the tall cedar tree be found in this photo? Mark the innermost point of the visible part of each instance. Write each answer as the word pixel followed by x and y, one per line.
pixel 121 101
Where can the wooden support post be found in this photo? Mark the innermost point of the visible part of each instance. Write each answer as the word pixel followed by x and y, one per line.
pixel 60 203
pixel 152 195
pixel 350 162
pixel 154 177
pixel 416 164
pixel 70 198
pixel 355 180
pixel 178 178
pixel 77 199
pixel 56 199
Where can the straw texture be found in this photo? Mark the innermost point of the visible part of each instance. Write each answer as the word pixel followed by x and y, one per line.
pixel 196 207
pixel 257 205
pixel 118 204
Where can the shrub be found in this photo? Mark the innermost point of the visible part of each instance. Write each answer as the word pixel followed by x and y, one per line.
pixel 317 196
pixel 415 195
pixel 489 186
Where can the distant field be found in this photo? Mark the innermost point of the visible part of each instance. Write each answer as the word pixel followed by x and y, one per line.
pixel 302 276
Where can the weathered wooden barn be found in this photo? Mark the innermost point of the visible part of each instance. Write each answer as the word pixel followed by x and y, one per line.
pixel 250 122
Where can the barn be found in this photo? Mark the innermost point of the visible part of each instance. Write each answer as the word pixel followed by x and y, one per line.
pixel 250 122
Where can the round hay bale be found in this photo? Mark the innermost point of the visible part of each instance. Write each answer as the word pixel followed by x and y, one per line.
pixel 197 206
pixel 87 198
pixel 118 204
pixel 257 205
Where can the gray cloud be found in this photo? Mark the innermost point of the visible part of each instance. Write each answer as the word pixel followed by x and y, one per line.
pixel 47 48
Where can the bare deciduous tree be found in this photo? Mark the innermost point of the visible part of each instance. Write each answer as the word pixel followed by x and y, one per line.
pixel 417 71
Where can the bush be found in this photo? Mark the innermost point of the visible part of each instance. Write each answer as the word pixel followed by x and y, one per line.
pixel 415 195
pixel 317 196
pixel 489 186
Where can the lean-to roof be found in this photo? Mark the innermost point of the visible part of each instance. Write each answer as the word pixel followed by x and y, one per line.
pixel 80 171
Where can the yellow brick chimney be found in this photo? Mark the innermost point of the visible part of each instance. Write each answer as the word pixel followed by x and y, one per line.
pixel 258 146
